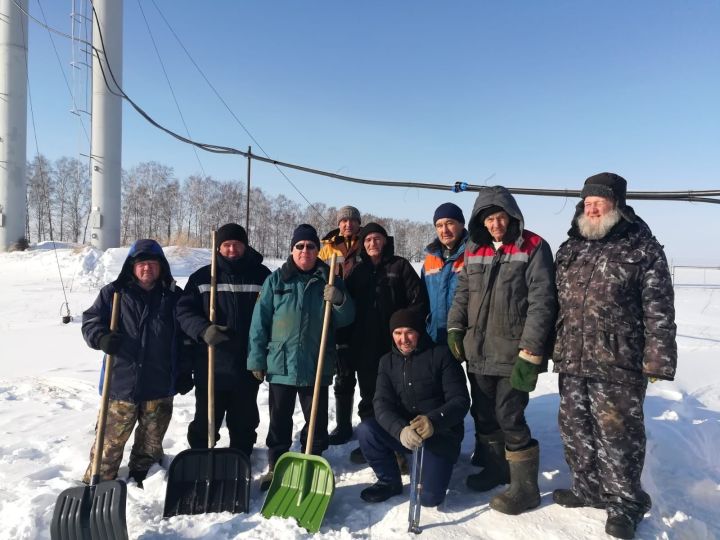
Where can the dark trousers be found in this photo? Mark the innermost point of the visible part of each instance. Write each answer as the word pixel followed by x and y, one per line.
pixel 497 406
pixel 367 372
pixel 281 401
pixel 603 431
pixel 345 375
pixel 239 409
pixel 379 448
pixel 474 396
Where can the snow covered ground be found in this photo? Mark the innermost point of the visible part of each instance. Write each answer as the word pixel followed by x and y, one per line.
pixel 48 404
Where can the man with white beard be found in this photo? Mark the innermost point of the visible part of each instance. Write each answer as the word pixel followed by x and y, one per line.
pixel 615 331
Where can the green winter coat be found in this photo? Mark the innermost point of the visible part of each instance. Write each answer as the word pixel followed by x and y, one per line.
pixel 287 324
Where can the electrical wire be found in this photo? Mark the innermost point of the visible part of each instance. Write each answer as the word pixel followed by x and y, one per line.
pixel 686 196
pixel 43 177
pixel 172 91
pixel 232 113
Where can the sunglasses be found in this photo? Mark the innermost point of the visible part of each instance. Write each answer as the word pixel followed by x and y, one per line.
pixel 308 245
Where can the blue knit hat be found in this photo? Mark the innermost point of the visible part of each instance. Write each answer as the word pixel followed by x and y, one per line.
pixel 450 211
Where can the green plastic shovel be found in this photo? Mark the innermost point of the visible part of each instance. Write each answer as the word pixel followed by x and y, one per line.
pixel 303 484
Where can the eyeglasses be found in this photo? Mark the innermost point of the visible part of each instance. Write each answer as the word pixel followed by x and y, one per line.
pixel 308 245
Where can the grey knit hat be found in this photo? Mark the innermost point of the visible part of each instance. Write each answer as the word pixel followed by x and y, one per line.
pixel 348 212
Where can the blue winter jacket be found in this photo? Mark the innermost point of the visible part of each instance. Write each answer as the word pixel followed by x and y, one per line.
pixel 287 324
pixel 146 365
pixel 440 279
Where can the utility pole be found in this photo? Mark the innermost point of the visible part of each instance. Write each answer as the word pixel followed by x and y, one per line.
pixel 106 139
pixel 13 120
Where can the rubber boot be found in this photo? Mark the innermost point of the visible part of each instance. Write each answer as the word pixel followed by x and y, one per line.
pixel 343 414
pixel 496 471
pixel 523 493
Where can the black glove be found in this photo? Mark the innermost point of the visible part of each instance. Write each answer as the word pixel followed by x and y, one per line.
pixel 184 383
pixel 215 334
pixel 110 343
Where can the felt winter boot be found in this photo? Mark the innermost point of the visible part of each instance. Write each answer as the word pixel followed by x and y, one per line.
pixel 568 499
pixel 496 471
pixel 343 413
pixel 523 493
pixel 478 456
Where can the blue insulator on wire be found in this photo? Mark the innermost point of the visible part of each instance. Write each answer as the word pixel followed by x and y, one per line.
pixel 460 186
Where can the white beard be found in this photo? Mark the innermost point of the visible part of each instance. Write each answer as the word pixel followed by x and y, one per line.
pixel 595 230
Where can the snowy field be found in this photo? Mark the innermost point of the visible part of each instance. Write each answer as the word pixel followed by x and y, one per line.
pixel 48 404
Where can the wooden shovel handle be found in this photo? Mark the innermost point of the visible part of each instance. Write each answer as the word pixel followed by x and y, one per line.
pixel 211 348
pixel 102 417
pixel 320 362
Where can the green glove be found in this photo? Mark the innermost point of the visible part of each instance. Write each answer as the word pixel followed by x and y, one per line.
pixel 524 375
pixel 455 343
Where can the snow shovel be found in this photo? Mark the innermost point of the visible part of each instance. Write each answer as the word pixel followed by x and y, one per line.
pixel 202 481
pixel 96 511
pixel 303 484
pixel 416 490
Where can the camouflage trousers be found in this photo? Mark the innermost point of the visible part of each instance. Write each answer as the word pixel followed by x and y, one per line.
pixel 603 432
pixel 152 418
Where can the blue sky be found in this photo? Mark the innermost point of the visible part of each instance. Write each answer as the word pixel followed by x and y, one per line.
pixel 525 94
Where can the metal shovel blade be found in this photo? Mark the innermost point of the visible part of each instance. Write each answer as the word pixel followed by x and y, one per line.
pixel 202 481
pixel 302 487
pixel 91 513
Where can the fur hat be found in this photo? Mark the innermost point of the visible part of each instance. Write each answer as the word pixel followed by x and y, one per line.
pixel 348 212
pixel 231 231
pixel 608 185
pixel 305 232
pixel 407 318
pixel 450 211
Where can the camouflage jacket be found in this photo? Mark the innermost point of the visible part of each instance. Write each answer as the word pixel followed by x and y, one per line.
pixel 617 314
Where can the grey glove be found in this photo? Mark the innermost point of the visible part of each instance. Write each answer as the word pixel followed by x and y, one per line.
pixel 409 438
pixel 333 294
pixel 215 334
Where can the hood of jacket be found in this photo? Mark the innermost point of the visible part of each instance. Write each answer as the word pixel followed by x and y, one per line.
pixel 496 196
pixel 146 247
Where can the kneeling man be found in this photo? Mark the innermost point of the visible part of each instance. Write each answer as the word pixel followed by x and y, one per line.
pixel 421 398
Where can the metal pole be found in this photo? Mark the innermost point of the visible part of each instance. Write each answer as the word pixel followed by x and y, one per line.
pixel 247 202
pixel 106 144
pixel 13 120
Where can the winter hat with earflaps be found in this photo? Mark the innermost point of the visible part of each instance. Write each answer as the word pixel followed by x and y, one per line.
pixel 608 185
pixel 611 186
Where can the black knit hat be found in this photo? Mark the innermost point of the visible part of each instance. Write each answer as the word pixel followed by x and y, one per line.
pixel 487 212
pixel 407 318
pixel 450 211
pixel 231 231
pixel 608 185
pixel 372 227
pixel 305 232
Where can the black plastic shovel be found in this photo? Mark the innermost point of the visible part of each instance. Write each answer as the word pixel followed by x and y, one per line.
pixel 205 480
pixel 96 511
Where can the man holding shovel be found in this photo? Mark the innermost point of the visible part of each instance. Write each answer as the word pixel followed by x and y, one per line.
pixel 240 277
pixel 144 348
pixel 285 340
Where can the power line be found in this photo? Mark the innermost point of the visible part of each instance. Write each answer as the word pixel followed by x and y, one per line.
pixel 232 113
pixel 167 78
pixel 687 196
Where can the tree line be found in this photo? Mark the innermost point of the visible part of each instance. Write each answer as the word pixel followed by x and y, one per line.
pixel 156 204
